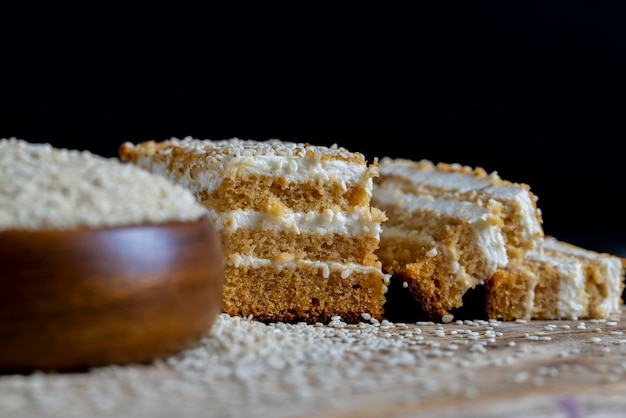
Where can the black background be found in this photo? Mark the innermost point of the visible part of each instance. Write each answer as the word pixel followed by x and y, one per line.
pixel 534 92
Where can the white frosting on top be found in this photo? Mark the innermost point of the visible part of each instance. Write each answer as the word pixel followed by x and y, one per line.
pixel 565 248
pixel 252 148
pixel 294 163
pixel 431 177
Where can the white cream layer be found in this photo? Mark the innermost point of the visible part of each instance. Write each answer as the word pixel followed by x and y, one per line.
pixel 489 238
pixel 609 268
pixel 325 268
pixel 514 197
pixel 572 299
pixel 356 223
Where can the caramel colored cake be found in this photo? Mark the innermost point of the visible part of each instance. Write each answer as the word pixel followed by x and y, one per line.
pixel 450 228
pixel 295 221
pixel 510 293
pixel 521 225
pixel 604 275
pixel 560 281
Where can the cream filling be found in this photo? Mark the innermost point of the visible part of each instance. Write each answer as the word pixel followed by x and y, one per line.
pixel 466 211
pixel 614 275
pixel 513 196
pixel 489 238
pixel 325 268
pixel 572 301
pixel 356 223
pixel 609 268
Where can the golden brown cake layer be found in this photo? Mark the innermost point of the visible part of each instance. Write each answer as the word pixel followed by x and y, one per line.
pixel 510 292
pixel 285 245
pixel 301 292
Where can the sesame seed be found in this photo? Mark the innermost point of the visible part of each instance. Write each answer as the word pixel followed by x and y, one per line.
pixel 447 318
pixel 76 189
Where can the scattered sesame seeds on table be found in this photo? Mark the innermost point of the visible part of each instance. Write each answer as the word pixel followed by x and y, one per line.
pixel 247 368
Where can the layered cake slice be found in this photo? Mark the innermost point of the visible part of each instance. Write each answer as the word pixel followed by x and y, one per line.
pixel 604 275
pixel 560 281
pixel 537 287
pixel 297 228
pixel 450 228
pixel 521 219
pixel 438 248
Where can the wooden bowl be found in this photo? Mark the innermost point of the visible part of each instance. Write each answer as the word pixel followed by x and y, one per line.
pixel 80 298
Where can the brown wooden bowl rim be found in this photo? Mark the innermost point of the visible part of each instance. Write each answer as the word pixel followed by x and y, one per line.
pixel 143 289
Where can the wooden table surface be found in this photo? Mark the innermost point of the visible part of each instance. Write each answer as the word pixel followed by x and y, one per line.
pixel 561 368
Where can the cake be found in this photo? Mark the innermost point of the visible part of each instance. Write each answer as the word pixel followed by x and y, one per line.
pixel 604 275
pixel 450 228
pixel 560 281
pixel 295 221
pixel 446 219
pixel 521 225
pixel 539 286
pixel 510 293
